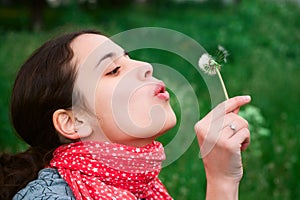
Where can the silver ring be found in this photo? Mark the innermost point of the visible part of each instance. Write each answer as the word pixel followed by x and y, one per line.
pixel 232 127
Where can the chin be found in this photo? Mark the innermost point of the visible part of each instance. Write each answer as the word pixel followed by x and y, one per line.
pixel 169 124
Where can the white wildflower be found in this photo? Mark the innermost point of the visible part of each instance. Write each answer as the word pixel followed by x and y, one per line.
pixel 208 64
pixel 211 67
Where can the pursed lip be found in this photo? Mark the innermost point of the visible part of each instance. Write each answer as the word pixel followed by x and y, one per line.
pixel 161 92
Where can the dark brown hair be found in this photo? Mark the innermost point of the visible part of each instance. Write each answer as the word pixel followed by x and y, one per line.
pixel 44 84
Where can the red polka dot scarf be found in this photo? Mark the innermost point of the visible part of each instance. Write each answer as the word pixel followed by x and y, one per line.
pixel 95 170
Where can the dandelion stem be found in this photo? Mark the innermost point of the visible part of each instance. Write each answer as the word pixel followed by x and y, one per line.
pixel 222 83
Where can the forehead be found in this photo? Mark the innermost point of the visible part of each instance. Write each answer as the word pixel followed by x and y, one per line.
pixel 84 45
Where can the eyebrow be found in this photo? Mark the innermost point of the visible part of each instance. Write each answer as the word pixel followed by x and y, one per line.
pixel 108 55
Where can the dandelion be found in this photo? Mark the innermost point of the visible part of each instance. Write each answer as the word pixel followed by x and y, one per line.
pixel 222 54
pixel 211 67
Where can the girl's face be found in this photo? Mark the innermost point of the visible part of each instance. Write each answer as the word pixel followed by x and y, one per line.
pixel 130 106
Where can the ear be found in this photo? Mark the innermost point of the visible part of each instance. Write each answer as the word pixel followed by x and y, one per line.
pixel 82 127
pixel 64 123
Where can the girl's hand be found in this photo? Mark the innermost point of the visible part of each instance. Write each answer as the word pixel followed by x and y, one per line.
pixel 222 135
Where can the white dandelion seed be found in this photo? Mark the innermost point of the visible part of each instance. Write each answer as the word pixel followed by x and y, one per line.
pixel 222 54
pixel 207 64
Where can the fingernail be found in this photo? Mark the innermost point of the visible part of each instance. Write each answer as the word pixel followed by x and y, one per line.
pixel 247 98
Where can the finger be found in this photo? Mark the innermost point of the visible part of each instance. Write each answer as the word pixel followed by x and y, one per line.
pixel 237 124
pixel 235 103
pixel 230 124
pixel 245 144
pixel 228 106
pixel 241 138
pixel 236 111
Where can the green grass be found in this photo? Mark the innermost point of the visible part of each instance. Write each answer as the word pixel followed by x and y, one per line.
pixel 263 40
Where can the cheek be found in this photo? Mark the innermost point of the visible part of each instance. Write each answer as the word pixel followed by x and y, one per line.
pixel 139 108
pixel 105 115
pixel 171 119
pixel 132 108
pixel 103 99
pixel 142 103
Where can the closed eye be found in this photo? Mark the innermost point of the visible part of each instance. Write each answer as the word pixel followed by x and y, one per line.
pixel 115 71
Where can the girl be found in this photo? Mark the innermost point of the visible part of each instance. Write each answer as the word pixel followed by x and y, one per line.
pixel 83 106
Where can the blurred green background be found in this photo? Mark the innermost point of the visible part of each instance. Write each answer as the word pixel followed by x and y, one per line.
pixel 262 37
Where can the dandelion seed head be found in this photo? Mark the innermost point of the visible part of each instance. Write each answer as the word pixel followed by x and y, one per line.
pixel 207 64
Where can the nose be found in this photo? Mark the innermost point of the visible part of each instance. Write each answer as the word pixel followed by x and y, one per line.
pixel 145 71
